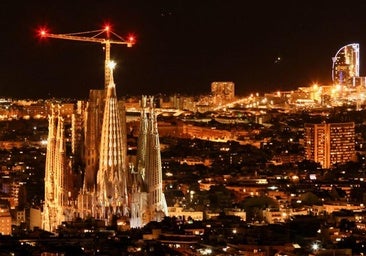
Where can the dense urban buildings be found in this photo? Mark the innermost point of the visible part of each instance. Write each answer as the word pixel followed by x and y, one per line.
pixel 275 174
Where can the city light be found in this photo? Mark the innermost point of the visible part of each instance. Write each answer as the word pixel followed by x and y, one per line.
pixel 315 246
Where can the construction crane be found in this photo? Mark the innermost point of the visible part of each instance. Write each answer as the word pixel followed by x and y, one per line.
pixel 95 37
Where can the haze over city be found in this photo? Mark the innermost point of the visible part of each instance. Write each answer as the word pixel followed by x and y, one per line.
pixel 182 46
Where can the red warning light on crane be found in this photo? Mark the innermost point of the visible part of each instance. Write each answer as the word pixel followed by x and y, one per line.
pixel 131 40
pixel 42 32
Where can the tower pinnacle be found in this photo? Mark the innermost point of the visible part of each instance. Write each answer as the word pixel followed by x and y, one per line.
pixel 111 66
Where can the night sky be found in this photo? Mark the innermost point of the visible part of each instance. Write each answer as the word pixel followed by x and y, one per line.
pixel 182 46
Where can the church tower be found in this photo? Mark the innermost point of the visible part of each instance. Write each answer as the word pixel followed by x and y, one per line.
pixel 93 118
pixel 49 215
pixel 157 207
pixel 59 194
pixel 142 138
pixel 148 201
pixel 112 198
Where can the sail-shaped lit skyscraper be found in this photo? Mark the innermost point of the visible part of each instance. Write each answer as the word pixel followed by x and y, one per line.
pixel 346 64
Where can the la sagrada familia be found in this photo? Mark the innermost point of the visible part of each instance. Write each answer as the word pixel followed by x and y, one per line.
pixel 98 179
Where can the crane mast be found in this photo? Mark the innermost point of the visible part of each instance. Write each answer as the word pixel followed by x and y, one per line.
pixel 94 37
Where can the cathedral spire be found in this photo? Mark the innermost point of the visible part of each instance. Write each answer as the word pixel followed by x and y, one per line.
pixel 112 173
pixel 154 180
pixel 57 178
pixel 142 139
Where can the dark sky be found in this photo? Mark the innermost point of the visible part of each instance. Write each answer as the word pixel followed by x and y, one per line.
pixel 182 46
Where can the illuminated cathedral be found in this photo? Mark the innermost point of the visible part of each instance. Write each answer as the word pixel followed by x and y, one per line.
pixel 97 180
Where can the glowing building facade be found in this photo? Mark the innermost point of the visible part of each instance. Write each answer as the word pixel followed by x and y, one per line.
pixel 5 220
pixel 222 92
pixel 330 143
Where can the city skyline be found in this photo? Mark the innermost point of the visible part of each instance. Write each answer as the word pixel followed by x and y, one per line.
pixel 181 47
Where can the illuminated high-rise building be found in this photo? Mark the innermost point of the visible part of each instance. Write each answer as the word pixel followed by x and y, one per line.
pixel 346 64
pixel 330 143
